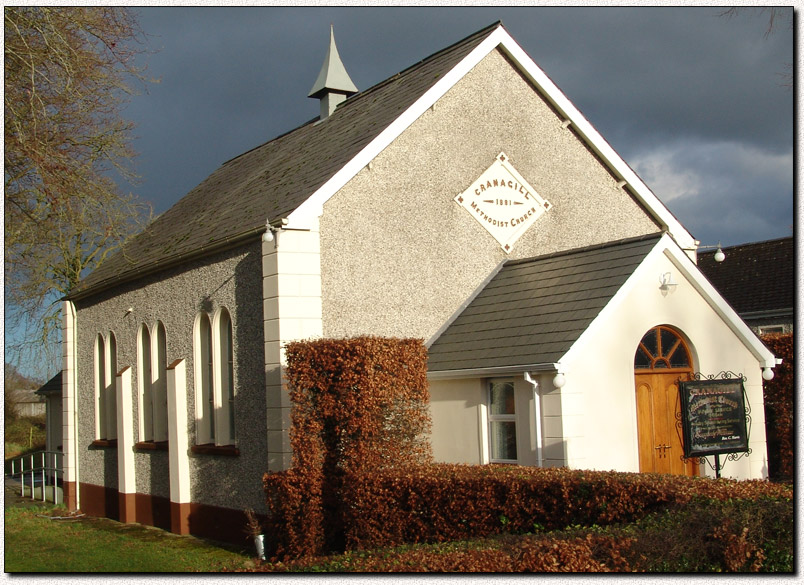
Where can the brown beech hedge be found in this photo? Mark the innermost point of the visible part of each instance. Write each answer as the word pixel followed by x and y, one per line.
pixel 442 502
pixel 362 475
pixel 778 394
pixel 359 405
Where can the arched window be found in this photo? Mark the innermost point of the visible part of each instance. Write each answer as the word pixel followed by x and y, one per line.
pixel 204 396
pixel 105 387
pixel 145 378
pixel 225 360
pixel 662 348
pixel 152 358
pixel 159 373
pixel 214 379
pixel 111 387
pixel 100 387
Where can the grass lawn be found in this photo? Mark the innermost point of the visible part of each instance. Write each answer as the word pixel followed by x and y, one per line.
pixel 35 543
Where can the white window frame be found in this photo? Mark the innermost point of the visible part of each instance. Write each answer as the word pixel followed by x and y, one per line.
pixel 159 381
pixel 111 387
pixel 100 386
pixel 152 382
pixel 494 418
pixel 204 395
pixel 144 383
pixel 105 362
pixel 215 394
pixel 223 376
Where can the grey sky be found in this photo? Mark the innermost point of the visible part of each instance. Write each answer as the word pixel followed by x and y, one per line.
pixel 692 101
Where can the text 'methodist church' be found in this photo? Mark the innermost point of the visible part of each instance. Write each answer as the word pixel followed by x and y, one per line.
pixel 464 201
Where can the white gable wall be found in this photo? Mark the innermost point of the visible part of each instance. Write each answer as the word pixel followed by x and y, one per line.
pixel 399 256
pixel 600 366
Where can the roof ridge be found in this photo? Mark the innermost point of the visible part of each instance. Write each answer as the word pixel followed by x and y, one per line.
pixel 274 139
pixel 759 243
pixel 624 241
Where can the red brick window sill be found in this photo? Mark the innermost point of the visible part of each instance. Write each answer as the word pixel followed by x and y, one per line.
pixel 210 449
pixel 151 446
pixel 104 443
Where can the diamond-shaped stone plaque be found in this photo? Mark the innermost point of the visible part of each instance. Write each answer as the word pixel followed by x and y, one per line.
pixel 503 202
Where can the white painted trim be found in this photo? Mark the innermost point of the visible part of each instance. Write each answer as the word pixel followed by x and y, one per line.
pixel 692 273
pixel 667 247
pixel 179 460
pixel 598 144
pixel 126 478
pixel 69 395
pixel 313 206
pixel 500 371
pixel 483 415
pixel 537 414
pixel 301 217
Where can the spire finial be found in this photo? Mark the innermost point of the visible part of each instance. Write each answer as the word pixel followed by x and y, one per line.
pixel 333 84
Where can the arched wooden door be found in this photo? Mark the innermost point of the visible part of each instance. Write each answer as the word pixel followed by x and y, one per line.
pixel 662 359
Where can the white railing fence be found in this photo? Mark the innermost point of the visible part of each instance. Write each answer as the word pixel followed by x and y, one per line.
pixel 40 475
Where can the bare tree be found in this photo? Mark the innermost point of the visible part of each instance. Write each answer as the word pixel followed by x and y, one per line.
pixel 68 72
pixel 778 16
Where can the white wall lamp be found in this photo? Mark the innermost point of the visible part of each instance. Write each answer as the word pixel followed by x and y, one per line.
pixel 559 380
pixel 719 255
pixel 273 229
pixel 667 284
pixel 767 374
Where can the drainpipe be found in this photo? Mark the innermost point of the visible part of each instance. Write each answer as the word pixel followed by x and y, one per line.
pixel 537 411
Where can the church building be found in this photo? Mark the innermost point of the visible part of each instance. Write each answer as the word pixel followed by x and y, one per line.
pixel 464 201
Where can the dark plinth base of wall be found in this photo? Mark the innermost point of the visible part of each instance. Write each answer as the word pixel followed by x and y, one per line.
pixel 97 500
pixel 213 522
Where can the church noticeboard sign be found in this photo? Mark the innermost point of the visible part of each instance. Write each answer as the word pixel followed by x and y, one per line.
pixel 713 417
pixel 503 202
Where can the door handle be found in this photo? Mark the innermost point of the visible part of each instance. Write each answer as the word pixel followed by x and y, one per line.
pixel 663 449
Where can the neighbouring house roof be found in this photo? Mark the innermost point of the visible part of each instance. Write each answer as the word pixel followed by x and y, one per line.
pixel 755 278
pixel 52 386
pixel 533 310
pixel 290 177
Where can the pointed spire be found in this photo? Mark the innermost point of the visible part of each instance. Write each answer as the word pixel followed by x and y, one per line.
pixel 333 84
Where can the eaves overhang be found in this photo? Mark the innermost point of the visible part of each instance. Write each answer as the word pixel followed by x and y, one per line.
pixel 491 372
pixel 164 264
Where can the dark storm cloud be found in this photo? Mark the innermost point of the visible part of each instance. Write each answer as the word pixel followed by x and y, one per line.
pixel 656 82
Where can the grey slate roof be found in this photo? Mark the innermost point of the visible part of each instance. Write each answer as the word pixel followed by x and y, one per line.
pixel 533 310
pixel 270 181
pixel 52 386
pixel 755 277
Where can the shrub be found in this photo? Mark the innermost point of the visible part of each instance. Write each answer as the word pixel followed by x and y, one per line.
pixel 441 502
pixel 779 396
pixel 359 404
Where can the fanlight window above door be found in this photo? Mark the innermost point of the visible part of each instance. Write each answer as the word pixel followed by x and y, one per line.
pixel 661 349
